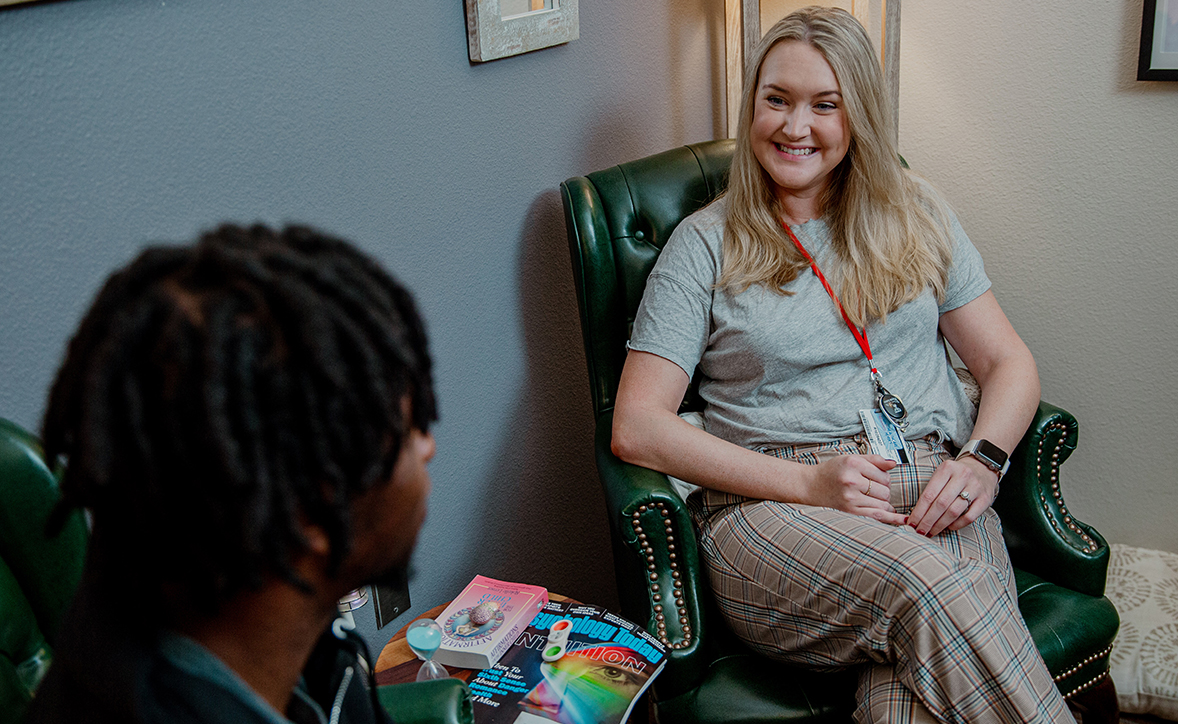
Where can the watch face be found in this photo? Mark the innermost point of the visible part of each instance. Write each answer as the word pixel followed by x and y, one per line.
pixel 991 453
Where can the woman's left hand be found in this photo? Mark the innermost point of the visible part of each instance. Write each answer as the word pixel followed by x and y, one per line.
pixel 956 495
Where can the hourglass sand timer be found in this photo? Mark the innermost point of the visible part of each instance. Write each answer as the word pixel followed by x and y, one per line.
pixel 424 636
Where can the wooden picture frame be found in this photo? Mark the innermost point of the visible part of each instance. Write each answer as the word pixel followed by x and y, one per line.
pixel 1158 59
pixel 501 28
pixel 742 25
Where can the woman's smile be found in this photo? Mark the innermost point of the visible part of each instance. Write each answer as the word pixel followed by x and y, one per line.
pixel 795 151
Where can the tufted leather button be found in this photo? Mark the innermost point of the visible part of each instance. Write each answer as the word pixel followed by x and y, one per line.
pixel 639 235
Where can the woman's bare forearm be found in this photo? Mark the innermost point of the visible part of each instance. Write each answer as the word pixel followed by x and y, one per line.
pixel 1010 396
pixel 662 441
pixel 647 432
pixel 1003 366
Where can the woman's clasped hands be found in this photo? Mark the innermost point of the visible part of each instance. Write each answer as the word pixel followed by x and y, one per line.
pixel 956 495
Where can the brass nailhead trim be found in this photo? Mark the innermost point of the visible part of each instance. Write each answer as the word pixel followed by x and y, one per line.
pixel 1084 663
pixel 664 610
pixel 1085 687
pixel 1089 544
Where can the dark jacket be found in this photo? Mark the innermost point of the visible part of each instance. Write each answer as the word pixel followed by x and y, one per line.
pixel 109 669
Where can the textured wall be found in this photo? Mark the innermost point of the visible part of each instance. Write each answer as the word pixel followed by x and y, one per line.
pixel 125 121
pixel 1064 170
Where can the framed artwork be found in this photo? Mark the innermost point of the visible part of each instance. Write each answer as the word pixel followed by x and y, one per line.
pixel 1159 41
pixel 500 28
pixel 745 19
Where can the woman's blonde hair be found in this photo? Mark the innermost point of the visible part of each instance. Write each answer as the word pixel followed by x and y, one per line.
pixel 890 231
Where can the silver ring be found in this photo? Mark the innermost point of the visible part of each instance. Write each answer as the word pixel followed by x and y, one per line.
pixel 964 496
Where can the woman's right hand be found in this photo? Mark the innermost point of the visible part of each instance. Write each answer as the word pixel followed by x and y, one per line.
pixel 857 484
pixel 647 432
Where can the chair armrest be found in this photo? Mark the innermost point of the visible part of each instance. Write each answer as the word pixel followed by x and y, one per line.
pixel 442 701
pixel 24 655
pixel 1041 534
pixel 47 569
pixel 660 581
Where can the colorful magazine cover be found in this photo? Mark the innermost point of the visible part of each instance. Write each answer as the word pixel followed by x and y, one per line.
pixel 481 623
pixel 607 663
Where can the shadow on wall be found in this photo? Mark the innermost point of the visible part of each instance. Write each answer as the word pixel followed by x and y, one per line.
pixel 553 529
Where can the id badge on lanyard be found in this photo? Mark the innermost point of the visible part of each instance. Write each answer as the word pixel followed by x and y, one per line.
pixel 890 405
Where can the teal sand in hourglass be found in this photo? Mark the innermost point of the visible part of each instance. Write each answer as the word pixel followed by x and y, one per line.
pixel 424 636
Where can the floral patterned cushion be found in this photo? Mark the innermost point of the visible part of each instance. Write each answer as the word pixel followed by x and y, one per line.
pixel 1143 585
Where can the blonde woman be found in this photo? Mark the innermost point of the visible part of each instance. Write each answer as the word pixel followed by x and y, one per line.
pixel 814 297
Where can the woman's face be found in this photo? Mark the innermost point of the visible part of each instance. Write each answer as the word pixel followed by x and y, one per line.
pixel 799 131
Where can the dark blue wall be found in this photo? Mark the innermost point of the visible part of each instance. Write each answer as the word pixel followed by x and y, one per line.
pixel 127 121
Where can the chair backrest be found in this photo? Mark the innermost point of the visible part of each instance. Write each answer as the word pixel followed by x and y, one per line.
pixel 618 221
pixel 38 574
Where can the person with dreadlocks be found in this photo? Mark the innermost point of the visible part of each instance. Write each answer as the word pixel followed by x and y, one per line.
pixel 247 420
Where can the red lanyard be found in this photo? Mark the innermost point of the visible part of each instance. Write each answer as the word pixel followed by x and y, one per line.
pixel 890 405
pixel 859 334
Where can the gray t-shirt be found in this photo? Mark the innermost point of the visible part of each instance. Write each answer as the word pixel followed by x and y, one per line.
pixel 785 369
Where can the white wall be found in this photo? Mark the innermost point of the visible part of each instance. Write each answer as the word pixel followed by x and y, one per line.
pixel 1064 170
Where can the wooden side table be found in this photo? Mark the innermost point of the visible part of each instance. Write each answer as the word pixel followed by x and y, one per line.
pixel 398 664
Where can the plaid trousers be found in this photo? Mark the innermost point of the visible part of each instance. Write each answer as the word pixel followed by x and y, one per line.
pixel 934 622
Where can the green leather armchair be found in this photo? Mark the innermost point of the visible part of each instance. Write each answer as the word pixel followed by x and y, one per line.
pixel 618 221
pixel 38 576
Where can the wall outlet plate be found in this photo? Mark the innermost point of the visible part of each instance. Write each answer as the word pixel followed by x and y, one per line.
pixel 391 602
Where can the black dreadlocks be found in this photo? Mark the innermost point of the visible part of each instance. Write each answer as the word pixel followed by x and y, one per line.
pixel 217 395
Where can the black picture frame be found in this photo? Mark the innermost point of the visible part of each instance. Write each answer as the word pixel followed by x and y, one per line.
pixel 1158 59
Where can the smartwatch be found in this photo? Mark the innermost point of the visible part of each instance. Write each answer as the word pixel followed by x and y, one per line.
pixel 988 453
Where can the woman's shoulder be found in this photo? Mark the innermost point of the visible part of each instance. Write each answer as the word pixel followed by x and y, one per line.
pixel 940 212
pixel 924 192
pixel 695 247
pixel 702 228
pixel 931 199
pixel 710 218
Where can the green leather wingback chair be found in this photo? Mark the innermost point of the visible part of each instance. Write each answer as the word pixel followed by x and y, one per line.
pixel 38 576
pixel 618 221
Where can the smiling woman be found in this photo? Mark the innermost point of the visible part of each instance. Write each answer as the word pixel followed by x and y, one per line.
pixel 838 526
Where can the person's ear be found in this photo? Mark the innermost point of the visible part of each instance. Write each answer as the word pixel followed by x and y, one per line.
pixel 318 542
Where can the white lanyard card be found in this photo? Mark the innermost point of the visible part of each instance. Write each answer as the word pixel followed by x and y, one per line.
pixel 883 437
